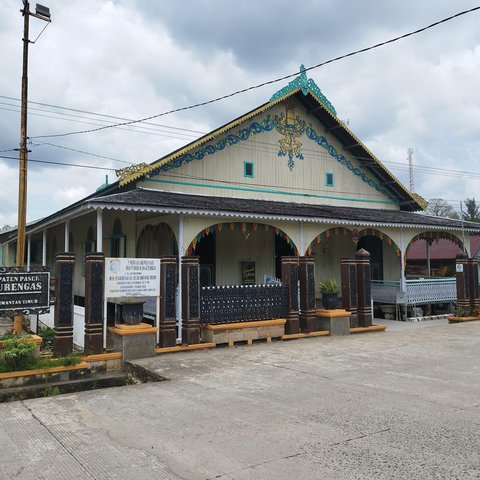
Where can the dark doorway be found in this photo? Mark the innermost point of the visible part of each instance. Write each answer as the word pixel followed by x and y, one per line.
pixel 373 245
pixel 205 249
pixel 282 249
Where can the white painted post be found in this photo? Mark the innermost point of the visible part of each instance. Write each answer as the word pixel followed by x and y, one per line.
pixel 427 247
pixel 105 321
pixel 29 251
pixel 179 296
pixel 100 230
pixel 157 319
pixel 67 234
pixel 302 250
pixel 403 280
pixel 467 246
pixel 44 248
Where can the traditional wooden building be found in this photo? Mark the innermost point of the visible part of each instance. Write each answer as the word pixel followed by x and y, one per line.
pixel 287 178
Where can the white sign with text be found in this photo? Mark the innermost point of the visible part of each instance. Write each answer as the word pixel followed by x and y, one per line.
pixel 132 277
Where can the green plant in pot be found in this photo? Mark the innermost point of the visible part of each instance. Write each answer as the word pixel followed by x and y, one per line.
pixel 329 290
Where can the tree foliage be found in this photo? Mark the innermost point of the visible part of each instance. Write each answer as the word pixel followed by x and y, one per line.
pixel 440 208
pixel 471 212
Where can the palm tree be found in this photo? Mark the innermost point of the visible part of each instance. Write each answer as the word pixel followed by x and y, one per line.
pixel 472 213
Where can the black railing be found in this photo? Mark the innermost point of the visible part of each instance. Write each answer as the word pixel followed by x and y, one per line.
pixel 243 303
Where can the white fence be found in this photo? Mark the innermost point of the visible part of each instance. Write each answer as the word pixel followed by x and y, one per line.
pixel 422 291
pixel 78 323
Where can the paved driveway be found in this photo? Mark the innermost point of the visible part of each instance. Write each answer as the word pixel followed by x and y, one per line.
pixel 401 404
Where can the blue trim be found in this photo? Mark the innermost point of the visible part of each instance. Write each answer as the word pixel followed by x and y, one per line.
pixel 323 142
pixel 329 179
pixel 245 174
pixel 231 139
pixel 267 125
pixel 277 192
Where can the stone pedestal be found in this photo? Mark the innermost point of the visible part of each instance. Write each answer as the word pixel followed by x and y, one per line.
pixel 94 305
pixel 168 305
pixel 63 317
pixel 290 279
pixel 134 341
pixel 337 321
pixel 190 300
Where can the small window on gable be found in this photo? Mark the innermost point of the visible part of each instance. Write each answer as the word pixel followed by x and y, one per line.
pixel 329 179
pixel 248 169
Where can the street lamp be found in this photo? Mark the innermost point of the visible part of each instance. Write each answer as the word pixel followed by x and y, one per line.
pixel 43 13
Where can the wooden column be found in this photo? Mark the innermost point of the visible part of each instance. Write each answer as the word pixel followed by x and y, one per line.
pixel 168 310
pixel 306 274
pixel 463 282
pixel 190 300
pixel 63 318
pixel 290 278
pixel 475 290
pixel 94 302
pixel 468 294
pixel 364 296
pixel 348 269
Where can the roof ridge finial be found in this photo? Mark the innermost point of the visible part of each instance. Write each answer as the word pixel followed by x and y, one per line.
pixel 305 85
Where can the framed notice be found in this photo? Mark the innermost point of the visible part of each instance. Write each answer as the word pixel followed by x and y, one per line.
pixel 132 277
pixel 248 272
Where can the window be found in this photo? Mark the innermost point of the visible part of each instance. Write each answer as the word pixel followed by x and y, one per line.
pixel 248 169
pixel 118 240
pixel 88 247
pixel 329 179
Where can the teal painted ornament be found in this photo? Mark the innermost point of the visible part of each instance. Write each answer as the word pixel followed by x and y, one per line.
pixel 306 85
pixel 323 142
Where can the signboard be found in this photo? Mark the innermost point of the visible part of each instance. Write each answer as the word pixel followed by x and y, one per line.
pixel 459 267
pixel 23 292
pixel 132 277
pixel 248 272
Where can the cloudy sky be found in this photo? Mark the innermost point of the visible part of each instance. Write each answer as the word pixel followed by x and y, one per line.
pixel 100 61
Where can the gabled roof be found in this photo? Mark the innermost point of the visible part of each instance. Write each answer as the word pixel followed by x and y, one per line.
pixel 310 96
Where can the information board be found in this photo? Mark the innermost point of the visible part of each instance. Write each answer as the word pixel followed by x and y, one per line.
pixel 132 277
pixel 248 272
pixel 23 292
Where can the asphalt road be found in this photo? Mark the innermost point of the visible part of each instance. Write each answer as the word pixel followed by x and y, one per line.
pixel 403 404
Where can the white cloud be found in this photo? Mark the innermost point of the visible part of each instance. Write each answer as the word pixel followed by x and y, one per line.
pixel 133 59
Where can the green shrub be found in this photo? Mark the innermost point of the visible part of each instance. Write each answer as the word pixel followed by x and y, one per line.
pixel 71 359
pixel 329 286
pixel 6 336
pixel 19 353
pixel 47 335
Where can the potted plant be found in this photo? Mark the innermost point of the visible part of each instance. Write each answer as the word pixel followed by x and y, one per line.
pixel 329 290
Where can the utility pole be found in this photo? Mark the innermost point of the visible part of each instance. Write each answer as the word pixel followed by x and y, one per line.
pixel 410 168
pixel 42 13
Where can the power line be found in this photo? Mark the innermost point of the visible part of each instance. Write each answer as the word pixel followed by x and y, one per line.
pixel 136 129
pixel 80 151
pixel 61 163
pixel 98 114
pixel 269 82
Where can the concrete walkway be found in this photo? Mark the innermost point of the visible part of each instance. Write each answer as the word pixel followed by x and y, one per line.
pixel 403 404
